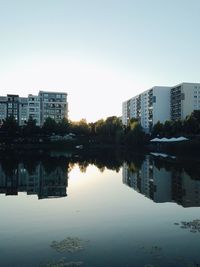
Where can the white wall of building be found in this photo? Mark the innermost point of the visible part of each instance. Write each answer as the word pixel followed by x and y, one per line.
pixel 161 105
pixel 191 99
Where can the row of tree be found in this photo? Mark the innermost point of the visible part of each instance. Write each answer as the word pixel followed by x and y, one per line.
pixel 189 126
pixel 108 131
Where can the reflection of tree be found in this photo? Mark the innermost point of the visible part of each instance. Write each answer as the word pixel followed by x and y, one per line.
pixel 106 158
pixel 30 165
pixel 9 165
pixel 51 163
pixel 83 166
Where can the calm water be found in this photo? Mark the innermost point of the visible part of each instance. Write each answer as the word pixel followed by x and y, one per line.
pixel 126 212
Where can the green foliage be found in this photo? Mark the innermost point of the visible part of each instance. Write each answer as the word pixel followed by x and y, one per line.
pixel 10 127
pixel 110 131
pixel 189 126
pixel 135 135
pixel 30 129
pixel 63 127
pixel 49 126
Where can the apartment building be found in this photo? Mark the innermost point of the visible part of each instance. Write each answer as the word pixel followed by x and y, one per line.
pixel 3 108
pixel 53 105
pixel 148 107
pixel 184 99
pixel 162 103
pixel 39 107
pixel 34 108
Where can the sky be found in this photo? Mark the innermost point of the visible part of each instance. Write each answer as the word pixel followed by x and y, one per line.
pixel 101 52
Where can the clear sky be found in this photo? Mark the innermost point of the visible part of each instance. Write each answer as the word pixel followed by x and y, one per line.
pixel 101 52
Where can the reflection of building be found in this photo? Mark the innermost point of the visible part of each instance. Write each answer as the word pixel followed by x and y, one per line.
pixel 45 184
pixel 162 185
pixel 185 191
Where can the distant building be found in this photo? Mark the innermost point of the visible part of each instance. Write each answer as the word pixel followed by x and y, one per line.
pixel 3 108
pixel 148 107
pixel 34 108
pixel 39 107
pixel 162 103
pixel 184 99
pixel 53 105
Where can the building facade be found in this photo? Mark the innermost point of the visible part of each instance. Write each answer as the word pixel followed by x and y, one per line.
pixel 53 105
pixel 39 107
pixel 34 108
pixel 162 103
pixel 149 107
pixel 184 99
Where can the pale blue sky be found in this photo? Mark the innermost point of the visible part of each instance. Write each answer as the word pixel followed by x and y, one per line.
pixel 100 52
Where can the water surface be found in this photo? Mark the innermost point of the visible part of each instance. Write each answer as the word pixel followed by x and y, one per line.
pixel 126 212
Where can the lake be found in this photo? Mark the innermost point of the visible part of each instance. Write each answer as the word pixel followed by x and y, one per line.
pixel 61 209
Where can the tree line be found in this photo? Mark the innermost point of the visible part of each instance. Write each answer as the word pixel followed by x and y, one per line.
pixel 104 131
pixel 190 126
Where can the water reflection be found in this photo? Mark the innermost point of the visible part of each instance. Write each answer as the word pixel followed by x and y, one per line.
pixel 164 180
pixel 44 181
pixel 46 175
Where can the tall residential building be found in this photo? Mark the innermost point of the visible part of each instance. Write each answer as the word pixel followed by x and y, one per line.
pixel 34 108
pixel 184 99
pixel 23 110
pixel 3 108
pixel 162 103
pixel 13 106
pixel 53 105
pixel 39 107
pixel 149 107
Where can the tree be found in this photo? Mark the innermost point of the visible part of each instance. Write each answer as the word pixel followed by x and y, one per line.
pixel 63 126
pixel 157 129
pixel 49 126
pixel 135 136
pixel 10 127
pixel 30 129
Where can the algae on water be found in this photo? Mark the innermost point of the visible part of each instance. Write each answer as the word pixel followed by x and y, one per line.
pixel 193 226
pixel 69 244
pixel 63 263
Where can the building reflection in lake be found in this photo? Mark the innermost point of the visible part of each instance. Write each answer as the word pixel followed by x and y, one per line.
pixel 162 184
pixel 39 181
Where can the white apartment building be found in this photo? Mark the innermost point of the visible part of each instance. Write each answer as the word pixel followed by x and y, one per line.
pixel 162 103
pixel 39 107
pixel 149 107
pixel 184 99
